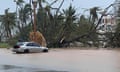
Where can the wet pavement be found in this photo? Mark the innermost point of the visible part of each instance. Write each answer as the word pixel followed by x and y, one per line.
pixel 11 68
pixel 61 60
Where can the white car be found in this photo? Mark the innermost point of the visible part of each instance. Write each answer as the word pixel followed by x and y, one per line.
pixel 27 47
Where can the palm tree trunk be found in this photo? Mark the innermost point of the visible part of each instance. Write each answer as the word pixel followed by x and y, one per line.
pixel 30 2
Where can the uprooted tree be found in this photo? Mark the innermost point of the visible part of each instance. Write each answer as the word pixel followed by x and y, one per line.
pixel 39 38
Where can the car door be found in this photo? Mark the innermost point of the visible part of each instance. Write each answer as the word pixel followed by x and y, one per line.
pixel 37 47
pixel 30 47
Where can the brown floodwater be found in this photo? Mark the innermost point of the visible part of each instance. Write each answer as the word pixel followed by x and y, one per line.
pixel 61 60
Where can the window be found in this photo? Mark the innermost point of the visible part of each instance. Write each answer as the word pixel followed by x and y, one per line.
pixel 29 44
pixel 36 45
pixel 33 44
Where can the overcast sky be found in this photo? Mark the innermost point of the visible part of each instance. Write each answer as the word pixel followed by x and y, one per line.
pixel 78 4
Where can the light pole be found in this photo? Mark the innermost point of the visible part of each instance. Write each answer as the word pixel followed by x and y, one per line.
pixel 34 2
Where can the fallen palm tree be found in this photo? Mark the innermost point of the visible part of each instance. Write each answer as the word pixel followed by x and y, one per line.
pixel 38 37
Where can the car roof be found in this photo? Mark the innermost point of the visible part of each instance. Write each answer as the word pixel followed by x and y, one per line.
pixel 26 42
pixel 29 42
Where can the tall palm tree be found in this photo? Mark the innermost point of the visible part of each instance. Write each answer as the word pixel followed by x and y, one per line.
pixel 24 14
pixel 93 18
pixel 69 25
pixel 8 23
pixel 19 6
pixel 31 16
pixel 24 18
pixel 70 18
pixel 93 13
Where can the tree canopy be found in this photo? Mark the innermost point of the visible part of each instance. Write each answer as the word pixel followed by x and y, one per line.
pixel 60 27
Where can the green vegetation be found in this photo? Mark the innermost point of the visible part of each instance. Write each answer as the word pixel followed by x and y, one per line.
pixel 4 45
pixel 59 27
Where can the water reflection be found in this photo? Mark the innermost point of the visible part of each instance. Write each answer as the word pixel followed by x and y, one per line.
pixel 7 67
pixel 11 68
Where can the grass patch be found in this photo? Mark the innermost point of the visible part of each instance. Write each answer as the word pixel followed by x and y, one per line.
pixel 4 45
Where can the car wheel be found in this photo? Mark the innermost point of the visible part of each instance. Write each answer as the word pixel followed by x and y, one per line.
pixel 45 50
pixel 26 51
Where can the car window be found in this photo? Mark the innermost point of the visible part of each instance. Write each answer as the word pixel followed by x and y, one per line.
pixel 36 45
pixel 29 44
pixel 33 44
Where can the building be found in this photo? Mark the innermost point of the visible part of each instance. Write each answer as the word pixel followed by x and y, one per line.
pixel 108 24
pixel 117 9
pixel 109 21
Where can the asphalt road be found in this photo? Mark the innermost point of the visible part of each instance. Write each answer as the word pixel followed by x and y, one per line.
pixel 61 60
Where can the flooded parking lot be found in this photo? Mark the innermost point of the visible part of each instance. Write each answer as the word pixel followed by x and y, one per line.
pixel 61 60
